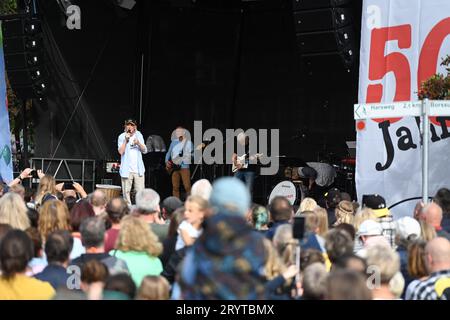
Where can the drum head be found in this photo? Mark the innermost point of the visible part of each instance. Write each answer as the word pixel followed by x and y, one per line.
pixel 285 189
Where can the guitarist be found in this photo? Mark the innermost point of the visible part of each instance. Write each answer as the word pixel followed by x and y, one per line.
pixel 178 158
pixel 246 171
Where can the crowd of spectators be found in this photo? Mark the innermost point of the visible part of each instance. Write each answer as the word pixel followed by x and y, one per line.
pixel 67 244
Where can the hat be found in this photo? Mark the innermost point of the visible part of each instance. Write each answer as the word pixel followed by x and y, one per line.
pixel 377 203
pixel 131 121
pixel 230 195
pixel 370 228
pixel 406 227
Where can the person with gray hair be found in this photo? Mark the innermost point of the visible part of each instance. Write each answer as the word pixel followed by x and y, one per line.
pixel 202 188
pixel 147 206
pixel 98 201
pixel 92 232
pixel 384 268
pixel 314 282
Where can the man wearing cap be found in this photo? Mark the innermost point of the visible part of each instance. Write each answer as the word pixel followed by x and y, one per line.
pixel 378 204
pixel 369 229
pixel 131 146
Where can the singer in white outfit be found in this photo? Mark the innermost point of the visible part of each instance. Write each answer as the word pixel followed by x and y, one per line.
pixel 131 146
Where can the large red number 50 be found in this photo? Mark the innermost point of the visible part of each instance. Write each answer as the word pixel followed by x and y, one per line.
pixel 380 64
pixel 430 54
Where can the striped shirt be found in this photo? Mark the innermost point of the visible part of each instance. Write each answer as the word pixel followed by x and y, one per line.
pixel 431 288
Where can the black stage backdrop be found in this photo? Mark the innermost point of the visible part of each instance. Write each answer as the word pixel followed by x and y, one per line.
pixel 226 67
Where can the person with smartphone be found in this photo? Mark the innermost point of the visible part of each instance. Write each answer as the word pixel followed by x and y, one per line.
pixel 131 146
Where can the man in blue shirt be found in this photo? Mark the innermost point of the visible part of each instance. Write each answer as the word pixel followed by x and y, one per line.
pixel 131 146
pixel 178 158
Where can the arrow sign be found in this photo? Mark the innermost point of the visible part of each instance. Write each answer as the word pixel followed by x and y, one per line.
pixel 400 109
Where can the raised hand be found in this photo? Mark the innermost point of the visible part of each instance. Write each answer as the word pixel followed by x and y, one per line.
pixel 26 173
pixel 40 174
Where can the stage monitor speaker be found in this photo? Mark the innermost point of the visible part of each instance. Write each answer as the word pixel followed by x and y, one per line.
pixel 323 19
pixel 325 41
pixel 317 4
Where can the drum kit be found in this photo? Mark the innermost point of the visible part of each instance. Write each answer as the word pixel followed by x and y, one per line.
pixel 290 182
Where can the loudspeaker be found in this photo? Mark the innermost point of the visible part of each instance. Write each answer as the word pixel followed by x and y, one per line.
pixel 23 60
pixel 325 41
pixel 21 26
pixel 22 44
pixel 30 91
pixel 24 56
pixel 323 19
pixel 26 76
pixel 317 4
pixel 345 56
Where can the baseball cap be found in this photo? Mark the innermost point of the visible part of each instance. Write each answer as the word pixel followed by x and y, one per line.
pixel 370 228
pixel 131 121
pixel 377 203
pixel 230 195
pixel 406 227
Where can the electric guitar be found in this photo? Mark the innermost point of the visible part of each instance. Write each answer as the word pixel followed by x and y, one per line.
pixel 172 166
pixel 243 161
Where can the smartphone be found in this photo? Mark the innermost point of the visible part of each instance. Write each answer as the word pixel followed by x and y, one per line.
pixel 68 186
pixel 34 174
pixel 299 228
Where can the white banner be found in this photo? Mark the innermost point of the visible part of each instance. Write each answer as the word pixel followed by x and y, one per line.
pixel 403 43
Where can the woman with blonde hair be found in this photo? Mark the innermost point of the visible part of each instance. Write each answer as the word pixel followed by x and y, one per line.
pixel 322 215
pixel 13 211
pixel 191 228
pixel 154 288
pixel 307 204
pixel 363 215
pixel 47 188
pixel 139 247
pixel 54 216
pixel 277 273
pixel 428 232
pixel 285 244
pixel 344 213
